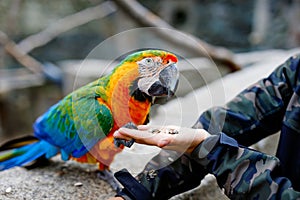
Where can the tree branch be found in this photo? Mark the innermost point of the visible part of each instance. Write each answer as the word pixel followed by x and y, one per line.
pixel 20 51
pixel 65 24
pixel 22 57
pixel 144 17
pixel 11 79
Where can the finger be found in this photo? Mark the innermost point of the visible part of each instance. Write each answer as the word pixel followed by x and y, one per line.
pixel 147 127
pixel 144 137
pixel 132 133
pixel 163 142
pixel 143 127
pixel 119 135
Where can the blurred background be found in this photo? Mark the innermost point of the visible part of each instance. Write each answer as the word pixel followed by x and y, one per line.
pixel 43 42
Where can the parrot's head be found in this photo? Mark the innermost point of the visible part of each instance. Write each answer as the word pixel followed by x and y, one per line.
pixel 157 72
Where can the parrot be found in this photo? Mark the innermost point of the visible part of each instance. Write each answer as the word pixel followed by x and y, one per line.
pixel 80 126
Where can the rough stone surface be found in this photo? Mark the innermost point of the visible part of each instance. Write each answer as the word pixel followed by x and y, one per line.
pixel 60 181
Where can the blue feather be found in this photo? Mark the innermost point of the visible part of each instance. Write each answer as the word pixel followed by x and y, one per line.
pixel 27 154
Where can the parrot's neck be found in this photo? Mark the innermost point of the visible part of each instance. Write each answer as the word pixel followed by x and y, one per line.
pixel 126 105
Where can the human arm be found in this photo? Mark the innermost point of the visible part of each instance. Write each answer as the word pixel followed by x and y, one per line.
pixel 257 111
pixel 241 171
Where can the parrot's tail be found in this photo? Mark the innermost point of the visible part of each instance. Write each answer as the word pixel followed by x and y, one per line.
pixel 24 150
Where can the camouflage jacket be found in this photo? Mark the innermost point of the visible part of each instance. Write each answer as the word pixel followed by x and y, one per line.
pixel 270 105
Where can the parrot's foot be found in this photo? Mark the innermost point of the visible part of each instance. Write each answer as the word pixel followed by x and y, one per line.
pixel 108 176
pixel 118 142
pixel 130 125
pixel 39 162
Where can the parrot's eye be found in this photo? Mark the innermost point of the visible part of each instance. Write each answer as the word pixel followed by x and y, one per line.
pixel 148 61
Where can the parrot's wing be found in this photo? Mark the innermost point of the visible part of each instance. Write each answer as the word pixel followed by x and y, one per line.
pixel 75 124
pixel 93 120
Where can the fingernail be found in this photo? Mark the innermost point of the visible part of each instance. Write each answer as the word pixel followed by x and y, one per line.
pixel 121 129
pixel 116 133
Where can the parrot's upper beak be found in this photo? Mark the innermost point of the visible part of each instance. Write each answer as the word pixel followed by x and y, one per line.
pixel 167 82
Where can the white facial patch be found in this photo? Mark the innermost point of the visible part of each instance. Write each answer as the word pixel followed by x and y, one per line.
pixel 148 67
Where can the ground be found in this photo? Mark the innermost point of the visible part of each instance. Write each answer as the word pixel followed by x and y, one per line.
pixel 58 180
pixel 70 180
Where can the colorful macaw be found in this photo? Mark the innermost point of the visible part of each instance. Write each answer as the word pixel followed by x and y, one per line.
pixel 81 125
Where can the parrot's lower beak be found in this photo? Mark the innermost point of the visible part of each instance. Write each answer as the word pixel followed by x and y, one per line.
pixel 167 82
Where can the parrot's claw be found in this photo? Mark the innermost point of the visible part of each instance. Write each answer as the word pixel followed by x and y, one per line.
pixel 126 143
pixel 119 142
pixel 130 125
pixel 108 176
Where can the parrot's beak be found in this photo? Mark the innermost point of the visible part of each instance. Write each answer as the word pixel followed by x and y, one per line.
pixel 167 83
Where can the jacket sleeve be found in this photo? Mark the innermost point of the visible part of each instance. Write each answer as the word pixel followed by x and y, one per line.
pixel 241 171
pixel 258 111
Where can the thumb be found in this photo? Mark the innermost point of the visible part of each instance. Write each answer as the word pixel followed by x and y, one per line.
pixel 162 143
pixel 143 127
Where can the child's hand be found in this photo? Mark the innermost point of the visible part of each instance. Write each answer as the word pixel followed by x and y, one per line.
pixel 168 137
